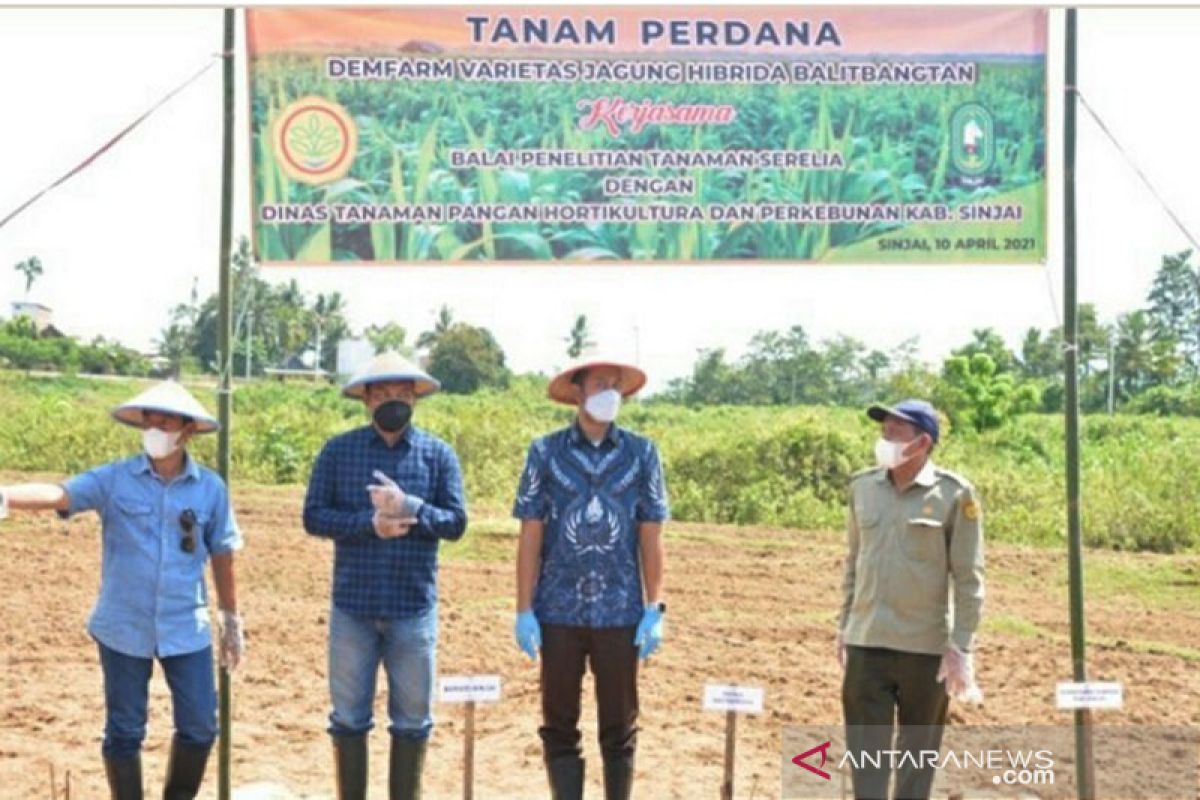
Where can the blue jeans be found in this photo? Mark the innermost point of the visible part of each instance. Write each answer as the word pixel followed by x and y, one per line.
pixel 126 689
pixel 408 650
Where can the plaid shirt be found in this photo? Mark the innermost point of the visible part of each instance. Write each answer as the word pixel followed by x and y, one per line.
pixel 378 578
pixel 592 499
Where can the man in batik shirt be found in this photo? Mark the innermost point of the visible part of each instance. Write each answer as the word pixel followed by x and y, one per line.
pixel 592 502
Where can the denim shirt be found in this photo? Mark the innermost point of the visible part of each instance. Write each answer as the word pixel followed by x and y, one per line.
pixel 592 498
pixel 153 600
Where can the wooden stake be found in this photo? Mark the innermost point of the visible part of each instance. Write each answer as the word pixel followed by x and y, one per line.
pixel 53 784
pixel 730 753
pixel 469 753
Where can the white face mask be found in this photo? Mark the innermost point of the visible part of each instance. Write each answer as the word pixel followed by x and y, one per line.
pixel 603 407
pixel 890 454
pixel 158 443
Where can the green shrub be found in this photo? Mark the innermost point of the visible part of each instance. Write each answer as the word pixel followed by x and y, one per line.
pixel 726 464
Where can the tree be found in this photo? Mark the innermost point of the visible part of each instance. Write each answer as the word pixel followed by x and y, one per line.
pixel 782 367
pixel 174 344
pixel 1092 339
pixel 466 358
pixel 580 337
pixel 874 366
pixel 1174 307
pixel 328 313
pixel 991 343
pixel 1144 359
pixel 712 381
pixel 443 323
pixel 909 377
pixel 974 394
pixel 31 268
pixel 284 323
pixel 844 358
pixel 177 342
pixel 1041 354
pixel 389 336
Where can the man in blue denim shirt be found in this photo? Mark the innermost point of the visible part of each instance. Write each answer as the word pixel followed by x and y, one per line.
pixel 163 517
pixel 387 494
pixel 592 502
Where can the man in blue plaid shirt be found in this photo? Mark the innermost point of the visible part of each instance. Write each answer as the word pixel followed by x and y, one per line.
pixel 387 494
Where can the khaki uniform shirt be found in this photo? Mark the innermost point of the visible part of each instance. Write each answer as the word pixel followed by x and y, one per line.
pixel 914 569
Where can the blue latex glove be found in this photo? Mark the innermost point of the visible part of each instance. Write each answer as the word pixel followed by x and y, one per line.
pixel 528 633
pixel 649 632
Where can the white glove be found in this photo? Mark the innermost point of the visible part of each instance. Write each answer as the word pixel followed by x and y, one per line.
pixel 233 640
pixel 957 671
pixel 388 526
pixel 386 496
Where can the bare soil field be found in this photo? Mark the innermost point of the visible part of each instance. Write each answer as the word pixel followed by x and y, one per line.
pixel 747 606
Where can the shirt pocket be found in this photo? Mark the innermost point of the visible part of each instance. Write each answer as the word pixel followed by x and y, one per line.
pixel 868 520
pixel 924 540
pixel 135 515
pixel 133 527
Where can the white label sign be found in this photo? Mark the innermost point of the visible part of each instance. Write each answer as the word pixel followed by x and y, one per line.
pixel 469 689
pixel 743 699
pixel 1089 695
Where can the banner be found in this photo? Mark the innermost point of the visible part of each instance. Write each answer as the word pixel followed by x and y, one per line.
pixel 648 134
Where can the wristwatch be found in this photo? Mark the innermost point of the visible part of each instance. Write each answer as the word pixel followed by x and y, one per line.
pixel 659 606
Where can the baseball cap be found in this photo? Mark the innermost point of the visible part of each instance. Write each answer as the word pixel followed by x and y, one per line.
pixel 919 413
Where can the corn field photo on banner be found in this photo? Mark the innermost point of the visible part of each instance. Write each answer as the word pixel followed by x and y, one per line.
pixel 647 134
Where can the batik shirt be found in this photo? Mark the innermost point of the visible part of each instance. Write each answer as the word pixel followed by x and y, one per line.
pixel 592 499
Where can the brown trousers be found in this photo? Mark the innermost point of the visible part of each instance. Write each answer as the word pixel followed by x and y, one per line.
pixel 613 660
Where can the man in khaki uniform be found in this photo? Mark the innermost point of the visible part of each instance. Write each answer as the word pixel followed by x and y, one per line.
pixel 915 536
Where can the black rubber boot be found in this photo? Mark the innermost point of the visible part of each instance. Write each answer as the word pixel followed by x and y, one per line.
pixel 350 758
pixel 566 778
pixel 618 777
pixel 404 774
pixel 185 771
pixel 124 777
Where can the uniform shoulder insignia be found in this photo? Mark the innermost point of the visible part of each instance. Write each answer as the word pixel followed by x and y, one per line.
pixel 970 507
pixel 970 500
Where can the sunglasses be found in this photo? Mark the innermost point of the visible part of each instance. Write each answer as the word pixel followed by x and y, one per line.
pixel 187 521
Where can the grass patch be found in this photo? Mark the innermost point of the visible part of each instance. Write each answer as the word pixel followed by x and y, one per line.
pixel 1156 582
pixel 1012 625
pixel 486 540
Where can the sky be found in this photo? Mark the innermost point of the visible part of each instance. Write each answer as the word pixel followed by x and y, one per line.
pixel 123 241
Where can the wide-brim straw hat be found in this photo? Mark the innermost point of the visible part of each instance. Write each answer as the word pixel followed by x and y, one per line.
pixel 630 383
pixel 167 397
pixel 390 367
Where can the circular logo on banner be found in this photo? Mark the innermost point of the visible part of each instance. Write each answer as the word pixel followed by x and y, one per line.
pixel 315 140
pixel 972 140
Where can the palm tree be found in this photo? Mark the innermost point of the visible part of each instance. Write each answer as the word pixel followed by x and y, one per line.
pixel 443 323
pixel 31 268
pixel 328 313
pixel 1135 353
pixel 580 337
